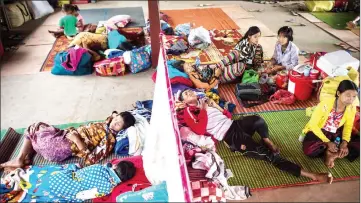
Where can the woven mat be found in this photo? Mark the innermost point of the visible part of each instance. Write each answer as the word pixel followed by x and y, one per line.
pixel 284 128
pixel 60 44
pixel 209 18
pixel 227 92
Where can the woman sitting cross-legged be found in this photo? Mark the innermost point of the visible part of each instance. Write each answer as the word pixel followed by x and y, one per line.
pixel 92 142
pixel 333 118
pixel 285 56
pixel 207 118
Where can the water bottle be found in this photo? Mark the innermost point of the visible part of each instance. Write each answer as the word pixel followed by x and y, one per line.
pixel 198 62
pixel 337 141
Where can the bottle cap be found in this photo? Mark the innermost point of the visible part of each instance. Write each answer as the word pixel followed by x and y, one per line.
pixel 338 138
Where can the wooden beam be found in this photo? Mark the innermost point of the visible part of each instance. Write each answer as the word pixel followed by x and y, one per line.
pixel 153 10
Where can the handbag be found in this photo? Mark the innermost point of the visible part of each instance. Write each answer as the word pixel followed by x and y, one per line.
pixel 283 97
pixel 250 92
pixel 140 59
pixel 250 76
pixel 110 67
pixel 85 66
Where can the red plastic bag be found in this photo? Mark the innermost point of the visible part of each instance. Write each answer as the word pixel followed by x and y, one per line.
pixel 283 97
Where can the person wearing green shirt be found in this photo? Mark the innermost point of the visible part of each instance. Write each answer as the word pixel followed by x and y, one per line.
pixel 68 23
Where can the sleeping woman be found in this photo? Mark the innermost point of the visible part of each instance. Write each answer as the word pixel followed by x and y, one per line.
pixel 91 142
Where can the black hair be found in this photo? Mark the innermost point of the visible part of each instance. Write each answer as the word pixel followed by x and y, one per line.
pixel 287 32
pixel 179 64
pixel 128 119
pixel 181 94
pixel 346 85
pixel 125 170
pixel 70 8
pixel 251 31
pixel 126 46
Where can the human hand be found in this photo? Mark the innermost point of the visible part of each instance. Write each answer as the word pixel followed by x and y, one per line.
pixel 218 72
pixel 343 150
pixel 332 147
pixel 212 103
pixel 203 103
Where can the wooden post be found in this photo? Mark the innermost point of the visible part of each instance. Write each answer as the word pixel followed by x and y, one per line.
pixel 153 10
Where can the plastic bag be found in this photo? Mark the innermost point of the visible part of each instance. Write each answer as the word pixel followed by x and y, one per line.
pixel 319 6
pixel 41 8
pixel 199 38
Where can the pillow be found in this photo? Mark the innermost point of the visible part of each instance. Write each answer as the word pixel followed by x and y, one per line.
pixel 41 9
pixel 155 193
pixel 118 21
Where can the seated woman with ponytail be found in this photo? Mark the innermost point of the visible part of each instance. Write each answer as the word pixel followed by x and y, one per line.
pixel 246 54
pixel 333 118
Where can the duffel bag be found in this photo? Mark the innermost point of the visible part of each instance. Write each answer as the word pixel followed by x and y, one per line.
pixel 249 95
pixel 110 67
pixel 85 65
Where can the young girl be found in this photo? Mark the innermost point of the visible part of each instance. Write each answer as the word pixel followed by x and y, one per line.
pixel 247 53
pixel 210 119
pixel 92 142
pixel 285 56
pixel 333 118
pixel 71 23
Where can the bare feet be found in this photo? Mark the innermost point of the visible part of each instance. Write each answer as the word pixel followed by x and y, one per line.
pixel 16 163
pixel 330 159
pixel 324 177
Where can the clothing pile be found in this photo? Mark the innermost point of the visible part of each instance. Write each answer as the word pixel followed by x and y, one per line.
pixel 200 154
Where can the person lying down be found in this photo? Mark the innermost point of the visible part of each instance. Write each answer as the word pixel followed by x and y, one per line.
pixel 205 117
pixel 68 183
pixel 92 142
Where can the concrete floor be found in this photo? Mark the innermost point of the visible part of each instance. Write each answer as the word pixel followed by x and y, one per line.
pixel 28 95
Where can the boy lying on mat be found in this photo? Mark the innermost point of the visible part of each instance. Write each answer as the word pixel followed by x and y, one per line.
pixel 205 117
pixel 92 142
pixel 68 183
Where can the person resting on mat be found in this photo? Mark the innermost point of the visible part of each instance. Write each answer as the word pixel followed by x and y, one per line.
pixel 204 78
pixel 91 142
pixel 285 56
pixel 70 183
pixel 205 117
pixel 333 118
pixel 246 54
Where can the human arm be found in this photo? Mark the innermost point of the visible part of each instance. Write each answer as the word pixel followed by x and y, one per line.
pixel 194 77
pixel 212 103
pixel 347 128
pixel 317 115
pixel 293 61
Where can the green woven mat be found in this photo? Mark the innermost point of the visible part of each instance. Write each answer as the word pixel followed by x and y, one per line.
pixel 336 20
pixel 284 129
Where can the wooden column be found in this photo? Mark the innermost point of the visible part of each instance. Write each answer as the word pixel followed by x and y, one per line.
pixel 153 10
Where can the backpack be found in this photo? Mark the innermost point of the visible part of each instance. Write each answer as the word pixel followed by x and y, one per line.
pixel 250 92
pixel 85 66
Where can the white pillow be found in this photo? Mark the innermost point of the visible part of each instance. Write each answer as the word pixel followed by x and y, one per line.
pixel 41 8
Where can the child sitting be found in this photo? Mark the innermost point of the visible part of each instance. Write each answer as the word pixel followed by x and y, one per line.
pixel 71 23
